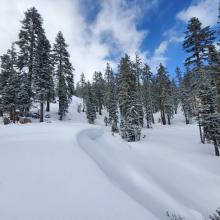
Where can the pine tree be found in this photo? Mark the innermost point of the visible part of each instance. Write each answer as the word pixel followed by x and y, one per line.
pixel 155 95
pixel 175 96
pixel 214 70
pixel 5 72
pixel 185 95
pixel 109 82
pixel 90 107
pixel 29 33
pixel 138 72
pixel 209 117
pixel 162 82
pixel 147 95
pixel 50 97
pixel 83 90
pixel 111 98
pixel 11 87
pixel 197 41
pixel 42 73
pixel 98 87
pixel 23 94
pixel 168 102
pixel 130 123
pixel 78 89
pixel 64 74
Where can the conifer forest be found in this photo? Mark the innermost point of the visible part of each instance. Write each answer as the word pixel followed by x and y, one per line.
pixel 130 142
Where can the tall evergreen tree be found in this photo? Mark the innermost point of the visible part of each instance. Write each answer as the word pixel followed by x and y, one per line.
pixel 185 95
pixel 109 82
pixel 30 31
pixel 197 41
pixel 214 70
pixel 4 74
pixel 162 81
pixel 64 74
pixel 209 117
pixel 130 123
pixel 168 102
pixel 175 95
pixel 90 107
pixel 147 95
pixel 138 72
pixel 10 90
pixel 111 98
pixel 83 89
pixel 42 73
pixel 98 87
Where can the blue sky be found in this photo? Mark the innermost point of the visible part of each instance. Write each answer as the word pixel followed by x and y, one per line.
pixel 164 21
pixel 100 31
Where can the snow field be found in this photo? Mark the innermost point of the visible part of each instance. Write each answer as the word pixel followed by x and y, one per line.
pixel 71 170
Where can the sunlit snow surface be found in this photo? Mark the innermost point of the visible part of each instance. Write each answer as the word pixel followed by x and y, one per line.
pixel 73 171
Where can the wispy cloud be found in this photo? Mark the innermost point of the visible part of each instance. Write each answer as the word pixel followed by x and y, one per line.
pixel 171 36
pixel 112 32
pixel 205 10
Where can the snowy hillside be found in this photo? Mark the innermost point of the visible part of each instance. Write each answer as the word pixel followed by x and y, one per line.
pixel 71 170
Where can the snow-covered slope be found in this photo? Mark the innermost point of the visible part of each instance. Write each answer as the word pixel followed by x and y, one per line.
pixel 71 170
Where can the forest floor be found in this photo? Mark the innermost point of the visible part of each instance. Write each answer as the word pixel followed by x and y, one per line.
pixel 65 170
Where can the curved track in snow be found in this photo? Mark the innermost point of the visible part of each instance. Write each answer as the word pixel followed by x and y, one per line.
pixel 71 170
pixel 129 174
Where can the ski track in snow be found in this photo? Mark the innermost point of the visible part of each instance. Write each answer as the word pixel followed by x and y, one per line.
pixel 126 174
pixel 66 170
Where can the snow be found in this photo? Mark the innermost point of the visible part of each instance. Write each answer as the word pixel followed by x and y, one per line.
pixel 72 170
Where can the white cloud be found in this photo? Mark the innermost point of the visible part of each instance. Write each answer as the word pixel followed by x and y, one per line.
pixel 161 48
pixel 159 53
pixel 57 15
pixel 117 20
pixel 158 56
pixel 87 48
pixel 205 10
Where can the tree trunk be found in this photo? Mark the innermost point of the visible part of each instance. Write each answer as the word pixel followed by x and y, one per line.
pixel 175 110
pixel 186 118
pixel 153 119
pixel 41 109
pixel 13 114
pixel 216 148
pixel 148 125
pixel 48 106
pixel 163 118
pixel 59 109
pixel 83 110
pixel 168 120
pixel 1 113
pixel 100 110
pixel 200 133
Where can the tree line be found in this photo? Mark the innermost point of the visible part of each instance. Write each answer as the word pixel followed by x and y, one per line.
pixel 132 94
pixel 32 71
